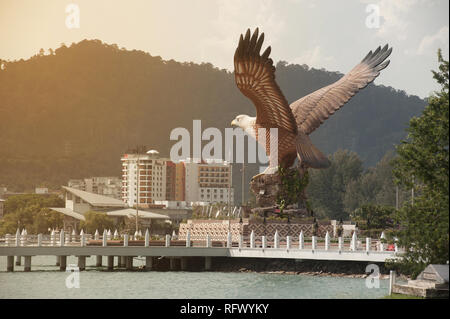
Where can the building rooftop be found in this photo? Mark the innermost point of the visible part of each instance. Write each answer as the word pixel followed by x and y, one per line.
pixel 68 212
pixel 95 199
pixel 130 212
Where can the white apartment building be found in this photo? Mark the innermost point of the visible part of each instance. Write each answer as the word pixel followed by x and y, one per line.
pixel 208 181
pixel 151 182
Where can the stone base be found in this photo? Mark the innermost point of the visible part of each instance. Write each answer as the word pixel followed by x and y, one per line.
pixel 267 189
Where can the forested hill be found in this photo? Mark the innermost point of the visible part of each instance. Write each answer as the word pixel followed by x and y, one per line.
pixel 72 113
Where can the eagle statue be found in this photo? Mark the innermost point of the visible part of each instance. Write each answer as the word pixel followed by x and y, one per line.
pixel 255 78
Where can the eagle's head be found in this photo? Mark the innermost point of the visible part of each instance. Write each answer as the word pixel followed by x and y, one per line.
pixel 245 122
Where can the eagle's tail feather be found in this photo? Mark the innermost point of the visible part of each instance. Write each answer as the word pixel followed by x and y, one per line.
pixel 307 153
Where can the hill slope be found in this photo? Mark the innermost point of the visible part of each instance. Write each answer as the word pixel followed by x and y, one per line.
pixel 73 113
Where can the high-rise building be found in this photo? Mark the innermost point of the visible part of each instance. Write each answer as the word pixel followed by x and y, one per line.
pixel 151 180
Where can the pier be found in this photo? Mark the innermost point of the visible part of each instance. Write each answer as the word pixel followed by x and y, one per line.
pixel 178 252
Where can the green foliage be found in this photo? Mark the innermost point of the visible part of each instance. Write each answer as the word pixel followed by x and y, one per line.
pixel 373 219
pixel 375 186
pixel 327 187
pixel 120 98
pixel 292 185
pixel 30 211
pixel 96 221
pixel 423 164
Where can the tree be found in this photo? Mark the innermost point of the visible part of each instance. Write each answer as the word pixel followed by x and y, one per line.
pixel 96 221
pixel 423 166
pixel 327 187
pixel 373 219
pixel 375 186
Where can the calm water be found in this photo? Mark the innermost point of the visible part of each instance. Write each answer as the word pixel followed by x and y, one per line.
pixel 46 281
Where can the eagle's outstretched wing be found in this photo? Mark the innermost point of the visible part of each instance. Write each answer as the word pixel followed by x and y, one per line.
pixel 255 77
pixel 313 109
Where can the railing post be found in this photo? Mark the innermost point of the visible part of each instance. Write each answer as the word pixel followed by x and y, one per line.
pixel 382 237
pixel 208 240
pixel 23 237
pixel 104 238
pixel 229 240
pixel 276 240
pixel 61 238
pixel 147 238
pixel 288 242
pixel 353 242
pixel 313 242
pixel 301 241
pixel 188 238
pixel 96 235
pixel 82 239
pixel 125 240
pixel 263 242
pixel 39 240
pixel 74 236
pixel 52 238
pixel 252 239
pixel 327 241
pixel 241 241
pixel 116 234
pixel 340 243
pixel 167 240
pixel 17 238
pixel 368 243
pixel 7 239
pixel 108 235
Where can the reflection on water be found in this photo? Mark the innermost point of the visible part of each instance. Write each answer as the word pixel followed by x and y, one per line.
pixel 46 281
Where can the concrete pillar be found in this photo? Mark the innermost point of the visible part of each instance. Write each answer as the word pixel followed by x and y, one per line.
pixel 188 239
pixel 172 263
pixel 58 260
pixel 82 262
pixel 98 262
pixel 96 235
pixel 241 241
pixel 148 262
pixel 276 240
pixel 208 262
pixel 110 262
pixel 314 243
pixel 252 239
pixel 183 262
pixel 368 243
pixel 10 263
pixel 327 241
pixel 39 240
pixel 263 242
pixel 229 240
pixel 392 277
pixel 123 261
pixel 18 260
pixel 53 238
pixel 288 242
pixel 125 240
pixel 353 243
pixel 167 240
pixel 63 263
pixel 61 238
pixel 340 243
pixel 301 241
pixel 129 262
pixel 27 263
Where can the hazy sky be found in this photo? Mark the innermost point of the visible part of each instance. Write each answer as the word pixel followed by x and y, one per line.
pixel 330 34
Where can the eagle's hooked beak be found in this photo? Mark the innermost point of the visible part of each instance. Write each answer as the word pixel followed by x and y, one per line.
pixel 234 123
